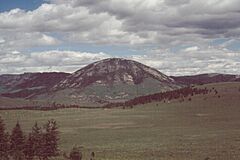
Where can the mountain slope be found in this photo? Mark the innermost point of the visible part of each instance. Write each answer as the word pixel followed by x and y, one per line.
pixel 28 84
pixel 206 78
pixel 111 79
pixel 113 70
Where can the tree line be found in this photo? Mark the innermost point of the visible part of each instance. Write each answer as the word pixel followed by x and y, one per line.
pixel 164 96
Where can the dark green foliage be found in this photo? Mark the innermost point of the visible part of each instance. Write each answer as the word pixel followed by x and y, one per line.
pixel 75 154
pixel 37 137
pixel 17 143
pixel 92 156
pixel 29 150
pixel 162 96
pixel 50 140
pixel 4 145
pixel 41 144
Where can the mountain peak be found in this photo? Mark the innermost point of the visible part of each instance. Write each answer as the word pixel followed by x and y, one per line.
pixel 108 80
pixel 110 71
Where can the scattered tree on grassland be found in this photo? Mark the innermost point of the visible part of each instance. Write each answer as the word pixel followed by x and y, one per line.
pixel 92 156
pixel 37 137
pixel 50 140
pixel 75 154
pixel 28 149
pixel 17 143
pixel 41 144
pixel 4 145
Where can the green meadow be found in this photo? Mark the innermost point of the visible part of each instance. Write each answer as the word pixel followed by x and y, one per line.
pixel 208 126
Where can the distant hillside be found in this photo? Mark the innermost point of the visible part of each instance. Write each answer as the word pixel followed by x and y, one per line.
pixel 223 90
pixel 206 78
pixel 166 97
pixel 28 84
pixel 113 79
pixel 109 80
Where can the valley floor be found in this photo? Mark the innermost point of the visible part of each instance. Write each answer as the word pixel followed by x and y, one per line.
pixel 205 127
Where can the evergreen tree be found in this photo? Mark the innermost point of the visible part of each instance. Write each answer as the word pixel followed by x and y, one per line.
pixel 4 145
pixel 92 156
pixel 17 143
pixel 50 140
pixel 37 137
pixel 28 148
pixel 75 154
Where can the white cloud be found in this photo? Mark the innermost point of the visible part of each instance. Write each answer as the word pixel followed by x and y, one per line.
pixel 164 24
pixel 135 22
pixel 191 49
pixel 171 21
pixel 21 41
pixel 209 60
pixel 13 58
pixel 15 52
pixel 54 60
pixel 2 41
pixel 61 58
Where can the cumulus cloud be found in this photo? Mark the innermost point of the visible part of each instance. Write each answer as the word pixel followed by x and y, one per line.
pixel 53 60
pixel 134 22
pixel 192 61
pixel 191 49
pixel 75 24
pixel 190 25
pixel 2 41
pixel 171 19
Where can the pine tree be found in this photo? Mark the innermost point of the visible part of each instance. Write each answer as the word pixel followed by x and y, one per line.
pixel 37 137
pixel 75 154
pixel 28 148
pixel 4 145
pixel 17 143
pixel 50 140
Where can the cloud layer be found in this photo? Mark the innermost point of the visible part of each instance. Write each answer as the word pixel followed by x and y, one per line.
pixel 178 35
pixel 193 60
pixel 54 60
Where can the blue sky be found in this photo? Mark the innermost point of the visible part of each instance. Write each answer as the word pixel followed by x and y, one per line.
pixel 176 37
pixel 7 5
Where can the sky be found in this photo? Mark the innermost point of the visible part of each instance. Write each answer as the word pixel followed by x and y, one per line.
pixel 183 37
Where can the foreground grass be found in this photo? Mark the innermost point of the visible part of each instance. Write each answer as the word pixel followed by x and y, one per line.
pixel 206 126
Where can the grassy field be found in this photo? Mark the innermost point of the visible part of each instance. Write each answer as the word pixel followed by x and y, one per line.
pixel 205 127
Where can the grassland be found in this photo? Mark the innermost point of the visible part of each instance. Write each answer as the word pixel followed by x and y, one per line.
pixel 10 102
pixel 205 127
